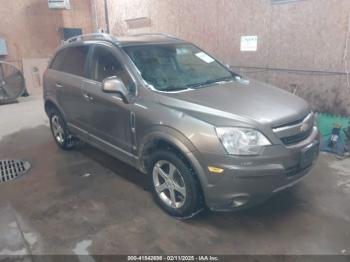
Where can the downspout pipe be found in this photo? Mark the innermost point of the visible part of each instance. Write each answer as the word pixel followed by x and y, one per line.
pixel 106 16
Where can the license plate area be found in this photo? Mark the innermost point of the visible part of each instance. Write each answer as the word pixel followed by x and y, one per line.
pixel 308 155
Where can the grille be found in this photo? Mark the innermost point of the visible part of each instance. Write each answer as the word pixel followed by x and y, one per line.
pixel 296 122
pixel 12 169
pixel 294 132
pixel 290 140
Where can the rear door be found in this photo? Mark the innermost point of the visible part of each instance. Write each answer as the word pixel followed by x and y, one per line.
pixel 71 70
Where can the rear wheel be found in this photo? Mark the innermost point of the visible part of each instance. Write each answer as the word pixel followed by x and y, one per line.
pixel 174 185
pixel 60 131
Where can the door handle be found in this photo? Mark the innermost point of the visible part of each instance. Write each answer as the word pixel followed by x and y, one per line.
pixel 88 97
pixel 59 85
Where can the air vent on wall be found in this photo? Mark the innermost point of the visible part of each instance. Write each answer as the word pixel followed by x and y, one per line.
pixel 59 4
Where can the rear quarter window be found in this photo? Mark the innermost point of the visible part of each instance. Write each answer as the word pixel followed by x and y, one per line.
pixel 57 62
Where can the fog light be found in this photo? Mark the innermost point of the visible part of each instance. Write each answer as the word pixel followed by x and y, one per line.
pixel 215 170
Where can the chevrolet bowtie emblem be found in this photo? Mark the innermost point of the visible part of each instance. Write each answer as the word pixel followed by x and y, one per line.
pixel 304 127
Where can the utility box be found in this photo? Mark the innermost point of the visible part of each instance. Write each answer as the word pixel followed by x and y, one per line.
pixel 59 4
pixel 3 47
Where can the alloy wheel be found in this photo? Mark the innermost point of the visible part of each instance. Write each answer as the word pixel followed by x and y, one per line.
pixel 57 129
pixel 169 184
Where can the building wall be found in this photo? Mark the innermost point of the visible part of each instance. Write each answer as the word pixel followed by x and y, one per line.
pixel 31 28
pixel 306 35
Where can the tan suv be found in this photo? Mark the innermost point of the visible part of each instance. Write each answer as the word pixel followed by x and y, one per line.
pixel 204 136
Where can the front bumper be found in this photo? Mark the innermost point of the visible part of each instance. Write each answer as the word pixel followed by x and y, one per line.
pixel 248 181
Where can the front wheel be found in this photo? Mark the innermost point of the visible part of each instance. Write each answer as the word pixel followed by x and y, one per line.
pixel 174 185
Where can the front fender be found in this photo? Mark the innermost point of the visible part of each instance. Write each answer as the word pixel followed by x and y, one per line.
pixel 180 142
pixel 168 134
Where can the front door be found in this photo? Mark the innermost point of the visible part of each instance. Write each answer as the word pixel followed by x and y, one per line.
pixel 107 118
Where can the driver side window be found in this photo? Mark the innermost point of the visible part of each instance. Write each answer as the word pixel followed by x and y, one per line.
pixel 105 64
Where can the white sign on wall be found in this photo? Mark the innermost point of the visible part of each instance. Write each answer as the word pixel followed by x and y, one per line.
pixel 249 43
pixel 59 4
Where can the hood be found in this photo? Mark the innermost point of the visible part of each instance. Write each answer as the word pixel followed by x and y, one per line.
pixel 240 101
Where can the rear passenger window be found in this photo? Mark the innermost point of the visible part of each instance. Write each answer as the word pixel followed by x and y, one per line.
pixel 74 60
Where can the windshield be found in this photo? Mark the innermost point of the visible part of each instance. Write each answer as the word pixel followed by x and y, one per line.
pixel 173 67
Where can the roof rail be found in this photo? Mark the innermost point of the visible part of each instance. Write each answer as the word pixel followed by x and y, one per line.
pixel 92 36
pixel 159 34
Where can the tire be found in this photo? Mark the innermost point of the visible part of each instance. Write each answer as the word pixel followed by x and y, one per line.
pixel 60 131
pixel 174 185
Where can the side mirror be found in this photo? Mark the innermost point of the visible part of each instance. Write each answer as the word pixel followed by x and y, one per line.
pixel 115 85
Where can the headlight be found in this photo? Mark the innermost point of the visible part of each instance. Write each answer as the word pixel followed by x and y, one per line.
pixel 242 141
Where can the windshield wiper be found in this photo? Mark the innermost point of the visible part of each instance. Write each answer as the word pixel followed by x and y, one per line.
pixel 212 81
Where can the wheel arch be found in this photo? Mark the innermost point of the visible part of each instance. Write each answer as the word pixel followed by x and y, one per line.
pixel 49 104
pixel 170 139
